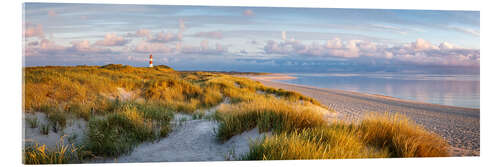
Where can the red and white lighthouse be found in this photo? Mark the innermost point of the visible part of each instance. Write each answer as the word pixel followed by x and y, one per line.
pixel 151 60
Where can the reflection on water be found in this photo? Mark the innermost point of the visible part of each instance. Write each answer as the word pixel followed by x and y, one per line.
pixel 454 90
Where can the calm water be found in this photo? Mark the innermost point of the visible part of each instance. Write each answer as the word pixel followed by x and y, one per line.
pixel 454 90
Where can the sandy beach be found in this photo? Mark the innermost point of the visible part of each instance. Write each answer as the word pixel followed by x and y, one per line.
pixel 458 125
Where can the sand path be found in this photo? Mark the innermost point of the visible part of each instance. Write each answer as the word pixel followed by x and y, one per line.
pixel 459 126
pixel 191 140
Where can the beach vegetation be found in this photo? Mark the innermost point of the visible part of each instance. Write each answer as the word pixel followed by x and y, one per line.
pixel 125 106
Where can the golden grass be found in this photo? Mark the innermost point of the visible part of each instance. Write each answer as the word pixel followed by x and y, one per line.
pixel 378 136
pixel 401 136
pixel 117 125
pixel 40 154
pixel 314 143
pixel 266 114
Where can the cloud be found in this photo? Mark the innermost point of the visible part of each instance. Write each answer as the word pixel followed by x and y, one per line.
pixel 209 34
pixel 33 31
pixel 417 52
pixel 253 42
pixel 182 27
pixel 143 33
pixel 111 39
pixel 248 12
pixel 84 47
pixel 421 44
pixel 446 45
pixel 467 31
pixel 47 47
pixel 144 47
pixel 163 37
pixel 203 49
pixel 52 12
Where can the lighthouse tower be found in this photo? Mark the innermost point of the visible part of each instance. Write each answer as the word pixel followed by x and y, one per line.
pixel 151 60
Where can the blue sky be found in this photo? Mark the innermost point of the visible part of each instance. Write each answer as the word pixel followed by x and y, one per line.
pixel 253 38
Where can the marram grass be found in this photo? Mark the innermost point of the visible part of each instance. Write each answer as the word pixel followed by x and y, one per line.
pixel 378 136
pixel 117 123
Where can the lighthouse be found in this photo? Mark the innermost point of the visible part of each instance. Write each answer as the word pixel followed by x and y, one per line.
pixel 151 60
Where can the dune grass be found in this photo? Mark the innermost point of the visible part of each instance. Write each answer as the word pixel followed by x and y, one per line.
pixel 266 114
pixel 130 124
pixel 378 136
pixel 61 154
pixel 117 123
pixel 313 143
pixel 401 136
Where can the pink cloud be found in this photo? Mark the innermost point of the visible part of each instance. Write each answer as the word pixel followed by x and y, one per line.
pixel 111 39
pixel 418 52
pixel 144 47
pixel 33 31
pixel 162 37
pixel 47 45
pixel 210 34
pixel 143 33
pixel 84 46
pixel 181 25
pixel 421 44
pixel 52 12
pixel 445 45
pixel 248 12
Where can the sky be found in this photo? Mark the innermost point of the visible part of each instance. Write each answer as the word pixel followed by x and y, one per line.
pixel 258 39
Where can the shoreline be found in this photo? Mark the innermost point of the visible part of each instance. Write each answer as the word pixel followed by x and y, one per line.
pixel 458 125
pixel 278 78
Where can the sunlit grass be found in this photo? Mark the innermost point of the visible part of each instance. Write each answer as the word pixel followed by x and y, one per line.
pixel 116 125
pixel 61 154
pixel 377 136
pixel 266 114
pixel 401 136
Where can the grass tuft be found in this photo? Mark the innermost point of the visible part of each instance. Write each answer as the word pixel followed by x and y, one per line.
pixel 266 114
pixel 62 154
pixel 401 136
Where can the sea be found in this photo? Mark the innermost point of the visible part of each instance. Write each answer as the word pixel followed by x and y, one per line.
pixel 452 90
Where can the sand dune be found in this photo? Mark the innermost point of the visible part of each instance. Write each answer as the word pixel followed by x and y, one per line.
pixel 458 125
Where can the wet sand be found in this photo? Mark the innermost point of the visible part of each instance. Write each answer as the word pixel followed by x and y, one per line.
pixel 458 125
